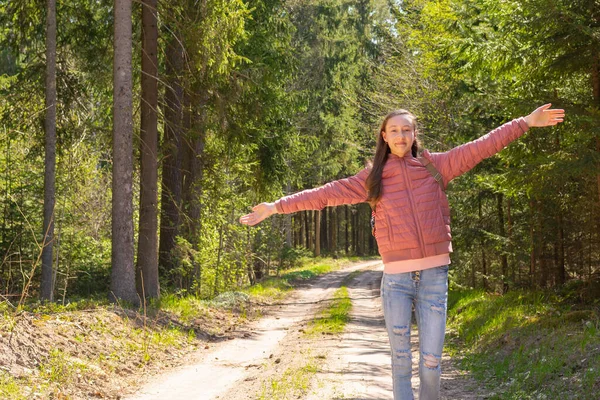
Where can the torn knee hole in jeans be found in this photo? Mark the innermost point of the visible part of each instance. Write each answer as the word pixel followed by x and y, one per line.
pixel 403 354
pixel 401 330
pixel 431 361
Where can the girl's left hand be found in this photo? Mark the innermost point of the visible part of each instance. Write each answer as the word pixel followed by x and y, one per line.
pixel 544 116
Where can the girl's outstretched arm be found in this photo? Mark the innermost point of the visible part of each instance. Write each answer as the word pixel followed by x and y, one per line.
pixel 259 212
pixel 463 158
pixel 350 190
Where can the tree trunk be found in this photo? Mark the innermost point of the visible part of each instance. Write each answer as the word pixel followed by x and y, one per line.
pixel 217 272
pixel 147 252
pixel 532 255
pixel 171 174
pixel 249 259
pixel 510 238
pixel 561 272
pixel 543 269
pixel 295 230
pixel 483 255
pixel 324 229
pixel 473 275
pixel 196 199
pixel 334 231
pixel 307 214
pixel 122 283
pixel 301 233
pixel 542 249
pixel 193 150
pixel 288 227
pixel 503 256
pixel 360 232
pixel 346 227
pixel 317 219
pixel 47 284
pixel 355 231
pixel 596 94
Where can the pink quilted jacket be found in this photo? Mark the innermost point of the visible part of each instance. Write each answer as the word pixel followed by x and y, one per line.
pixel 413 215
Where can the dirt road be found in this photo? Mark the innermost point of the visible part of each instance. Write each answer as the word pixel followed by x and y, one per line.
pixel 274 359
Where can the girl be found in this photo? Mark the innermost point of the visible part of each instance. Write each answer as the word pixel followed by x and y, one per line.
pixel 412 225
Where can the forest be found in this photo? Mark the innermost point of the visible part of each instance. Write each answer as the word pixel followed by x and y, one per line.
pixel 135 134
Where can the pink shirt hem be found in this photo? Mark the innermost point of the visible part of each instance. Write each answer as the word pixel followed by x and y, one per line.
pixel 398 267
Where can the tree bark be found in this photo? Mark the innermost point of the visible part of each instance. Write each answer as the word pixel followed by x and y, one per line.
pixel 310 223
pixel 47 284
pixel 596 94
pixel 122 284
pixel 346 229
pixel 295 230
pixel 170 220
pixel 307 229
pixel 325 229
pixel 503 256
pixel 360 239
pixel 355 231
pixel 217 272
pixel 532 255
pixel 147 252
pixel 334 231
pixel 484 272
pixel 561 271
pixel 301 233
pixel 317 219
pixel 288 227
pixel 510 236
pixel 197 174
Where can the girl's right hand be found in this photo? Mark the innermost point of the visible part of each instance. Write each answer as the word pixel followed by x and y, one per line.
pixel 259 212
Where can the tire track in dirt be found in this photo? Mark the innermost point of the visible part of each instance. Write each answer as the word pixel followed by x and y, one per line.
pixel 239 368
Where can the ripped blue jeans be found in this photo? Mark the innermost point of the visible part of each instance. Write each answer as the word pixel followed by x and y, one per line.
pixel 428 291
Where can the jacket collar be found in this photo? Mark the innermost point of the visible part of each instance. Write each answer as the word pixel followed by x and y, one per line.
pixel 408 158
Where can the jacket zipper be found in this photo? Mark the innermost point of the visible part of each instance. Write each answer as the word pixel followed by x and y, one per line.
pixel 414 209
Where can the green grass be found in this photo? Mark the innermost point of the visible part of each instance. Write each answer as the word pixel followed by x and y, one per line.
pixel 187 308
pixel 61 369
pixel 333 319
pixel 526 345
pixel 10 388
pixel 293 383
pixel 269 290
pixel 275 288
pixel 72 305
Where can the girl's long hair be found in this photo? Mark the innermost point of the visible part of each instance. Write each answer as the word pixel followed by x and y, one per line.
pixel 382 150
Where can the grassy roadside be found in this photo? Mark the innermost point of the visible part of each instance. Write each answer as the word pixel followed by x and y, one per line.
pixel 526 345
pixel 102 345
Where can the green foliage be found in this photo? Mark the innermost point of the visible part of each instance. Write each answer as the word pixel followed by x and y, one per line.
pixel 283 96
pixel 466 67
pixel 526 345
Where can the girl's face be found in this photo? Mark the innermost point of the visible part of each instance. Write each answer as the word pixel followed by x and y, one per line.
pixel 399 134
